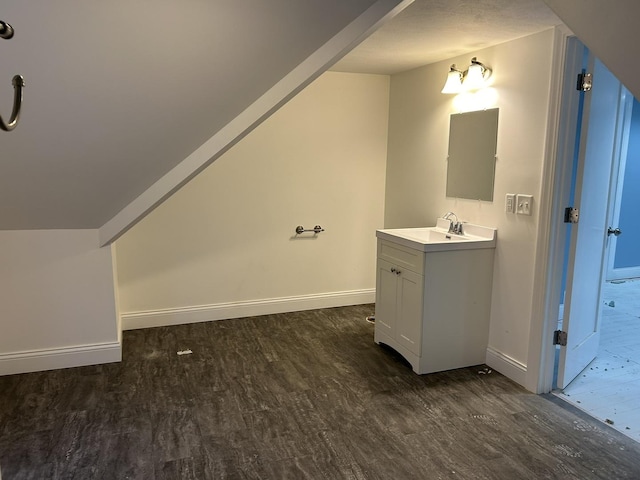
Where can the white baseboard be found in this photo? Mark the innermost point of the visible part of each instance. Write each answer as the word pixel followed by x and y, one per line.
pixel 55 358
pixel 250 308
pixel 507 366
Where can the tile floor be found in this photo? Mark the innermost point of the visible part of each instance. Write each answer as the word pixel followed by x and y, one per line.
pixel 609 388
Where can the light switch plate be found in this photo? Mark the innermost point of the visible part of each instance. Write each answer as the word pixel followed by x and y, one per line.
pixel 510 203
pixel 524 204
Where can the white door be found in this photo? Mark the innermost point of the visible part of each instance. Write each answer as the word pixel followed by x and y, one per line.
pixel 587 251
pixel 615 272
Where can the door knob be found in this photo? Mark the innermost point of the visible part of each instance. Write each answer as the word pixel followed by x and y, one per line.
pixel 613 231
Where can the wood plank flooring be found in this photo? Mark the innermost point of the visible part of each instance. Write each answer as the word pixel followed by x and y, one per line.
pixel 296 396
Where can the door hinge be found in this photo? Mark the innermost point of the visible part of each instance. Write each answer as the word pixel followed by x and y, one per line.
pixel 571 215
pixel 560 338
pixel 585 82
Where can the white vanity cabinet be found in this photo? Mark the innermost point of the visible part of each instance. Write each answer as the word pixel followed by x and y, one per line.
pixel 433 304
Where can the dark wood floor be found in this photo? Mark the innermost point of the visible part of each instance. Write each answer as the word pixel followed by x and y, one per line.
pixel 296 396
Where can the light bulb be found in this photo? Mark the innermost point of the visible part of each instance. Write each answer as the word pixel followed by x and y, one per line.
pixel 454 82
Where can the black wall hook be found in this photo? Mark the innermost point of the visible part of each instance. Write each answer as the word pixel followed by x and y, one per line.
pixel 6 32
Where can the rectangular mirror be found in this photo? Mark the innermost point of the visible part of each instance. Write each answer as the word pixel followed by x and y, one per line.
pixel 473 138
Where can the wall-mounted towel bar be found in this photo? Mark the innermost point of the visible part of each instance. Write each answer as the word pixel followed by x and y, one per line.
pixel 317 229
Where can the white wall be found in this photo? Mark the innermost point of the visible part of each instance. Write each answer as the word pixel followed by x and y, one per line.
pixel 57 301
pixel 225 246
pixel 416 173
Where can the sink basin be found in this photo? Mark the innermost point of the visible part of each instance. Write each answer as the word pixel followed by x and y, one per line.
pixel 438 238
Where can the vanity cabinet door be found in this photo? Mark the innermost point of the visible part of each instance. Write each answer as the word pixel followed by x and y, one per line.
pixel 399 305
pixel 386 298
pixel 409 310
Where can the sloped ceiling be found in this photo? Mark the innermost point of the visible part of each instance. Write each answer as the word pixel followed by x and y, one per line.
pixel 119 92
pixel 609 29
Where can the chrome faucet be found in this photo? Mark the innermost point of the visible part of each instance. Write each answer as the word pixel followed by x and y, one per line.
pixel 455 228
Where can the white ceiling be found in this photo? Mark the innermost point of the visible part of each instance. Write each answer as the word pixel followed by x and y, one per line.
pixel 119 92
pixel 428 31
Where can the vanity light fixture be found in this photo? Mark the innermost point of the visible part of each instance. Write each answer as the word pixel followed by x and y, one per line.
pixel 471 79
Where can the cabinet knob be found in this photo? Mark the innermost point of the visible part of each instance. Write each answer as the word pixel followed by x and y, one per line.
pixel 393 269
pixel 398 272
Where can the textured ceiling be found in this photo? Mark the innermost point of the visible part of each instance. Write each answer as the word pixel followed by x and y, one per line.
pixel 428 31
